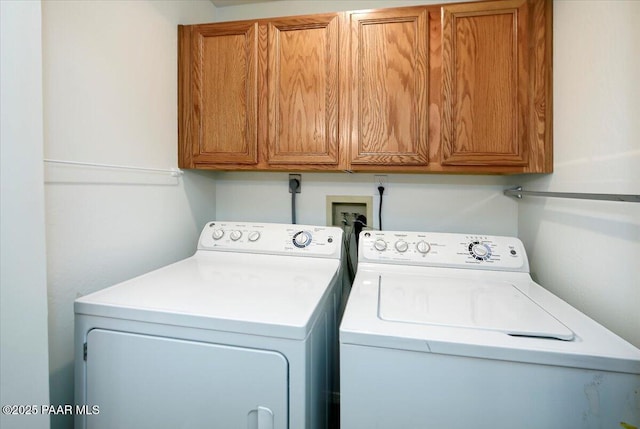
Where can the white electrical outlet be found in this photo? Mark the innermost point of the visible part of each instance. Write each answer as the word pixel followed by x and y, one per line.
pixel 381 180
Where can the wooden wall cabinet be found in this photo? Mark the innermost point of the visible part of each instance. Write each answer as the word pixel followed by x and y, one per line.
pixel 389 87
pixel 496 65
pixel 303 91
pixel 454 88
pixel 218 98
pixel 260 94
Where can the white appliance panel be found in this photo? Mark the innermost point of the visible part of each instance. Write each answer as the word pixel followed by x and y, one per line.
pixel 142 381
pixel 475 304
pixel 387 388
pixel 261 294
pixel 288 240
pixel 436 249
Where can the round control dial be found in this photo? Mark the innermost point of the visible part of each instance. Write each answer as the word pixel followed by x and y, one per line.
pixel 423 247
pixel 217 234
pixel 401 246
pixel 302 239
pixel 380 244
pixel 479 251
pixel 254 236
pixel 236 235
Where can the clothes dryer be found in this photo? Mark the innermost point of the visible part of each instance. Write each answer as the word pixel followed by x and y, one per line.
pixel 243 334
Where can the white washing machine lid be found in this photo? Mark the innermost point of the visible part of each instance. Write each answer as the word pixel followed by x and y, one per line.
pixel 464 303
pixel 269 295
pixel 395 307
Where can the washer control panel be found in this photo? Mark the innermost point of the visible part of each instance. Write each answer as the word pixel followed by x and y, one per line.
pixel 269 238
pixel 443 250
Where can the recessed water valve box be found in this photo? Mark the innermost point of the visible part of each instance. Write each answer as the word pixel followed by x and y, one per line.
pixel 342 210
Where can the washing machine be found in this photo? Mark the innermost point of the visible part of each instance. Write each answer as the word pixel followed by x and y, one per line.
pixel 243 334
pixel 450 331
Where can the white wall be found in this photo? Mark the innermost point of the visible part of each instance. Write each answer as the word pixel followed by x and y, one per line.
pixel 418 202
pixel 588 252
pixel 23 287
pixel 303 7
pixel 473 204
pixel 110 96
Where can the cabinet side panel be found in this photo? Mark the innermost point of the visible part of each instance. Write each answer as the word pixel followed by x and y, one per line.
pixel 185 119
pixel 541 157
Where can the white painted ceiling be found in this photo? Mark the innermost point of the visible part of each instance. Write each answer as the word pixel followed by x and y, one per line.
pixel 223 3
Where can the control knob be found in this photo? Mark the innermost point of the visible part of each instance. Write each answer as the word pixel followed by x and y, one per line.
pixel 423 247
pixel 302 239
pixel 236 235
pixel 217 234
pixel 254 235
pixel 380 244
pixel 480 251
pixel 401 246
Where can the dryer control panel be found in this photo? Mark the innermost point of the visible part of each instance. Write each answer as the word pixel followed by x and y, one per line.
pixel 271 238
pixel 435 249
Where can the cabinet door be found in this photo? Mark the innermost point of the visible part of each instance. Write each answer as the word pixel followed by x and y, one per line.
pixel 389 77
pixel 489 84
pixel 303 85
pixel 219 94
